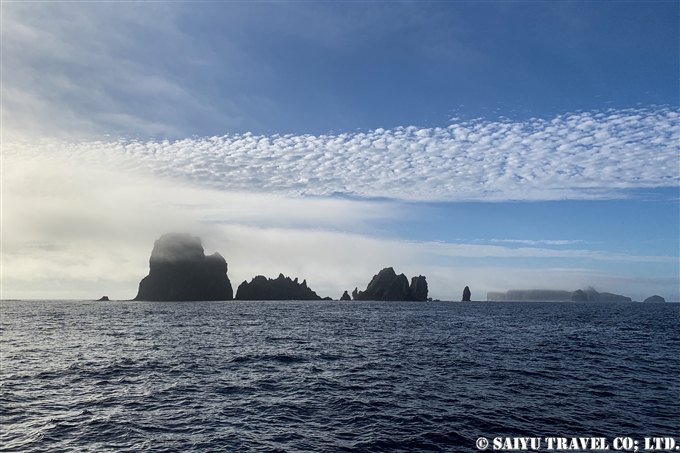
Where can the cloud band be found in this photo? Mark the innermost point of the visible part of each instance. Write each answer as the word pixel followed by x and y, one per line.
pixel 577 156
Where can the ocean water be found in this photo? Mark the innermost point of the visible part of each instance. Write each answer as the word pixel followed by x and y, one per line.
pixel 332 376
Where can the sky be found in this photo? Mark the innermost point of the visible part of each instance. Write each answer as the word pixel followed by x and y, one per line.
pixel 496 145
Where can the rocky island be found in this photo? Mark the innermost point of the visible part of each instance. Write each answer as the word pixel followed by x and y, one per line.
pixel 552 295
pixel 387 285
pixel 180 271
pixel 282 288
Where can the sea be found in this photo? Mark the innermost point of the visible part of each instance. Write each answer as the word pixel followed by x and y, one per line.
pixel 318 376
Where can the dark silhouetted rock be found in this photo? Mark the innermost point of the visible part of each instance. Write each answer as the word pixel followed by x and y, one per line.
pixel 579 296
pixel 282 288
pixel 180 271
pixel 387 285
pixel 466 294
pixel 398 290
pixel 654 298
pixel 378 285
pixel 103 299
pixel 327 298
pixel 345 296
pixel 419 288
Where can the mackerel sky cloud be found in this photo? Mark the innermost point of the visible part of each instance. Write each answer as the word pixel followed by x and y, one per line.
pixel 575 156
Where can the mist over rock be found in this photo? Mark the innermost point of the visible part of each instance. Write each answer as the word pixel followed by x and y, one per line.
pixel 282 288
pixel 579 296
pixel 387 285
pixel 530 295
pixel 654 298
pixel 180 271
pixel 553 295
pixel 594 296
pixel 466 294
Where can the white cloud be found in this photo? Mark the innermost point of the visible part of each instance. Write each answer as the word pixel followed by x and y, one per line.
pixel 77 231
pixel 579 156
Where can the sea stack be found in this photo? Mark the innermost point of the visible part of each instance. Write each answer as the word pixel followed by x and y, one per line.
pixel 387 285
pixel 418 288
pixel 345 296
pixel 466 294
pixel 180 271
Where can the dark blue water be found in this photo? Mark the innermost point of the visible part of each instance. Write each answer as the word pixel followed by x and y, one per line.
pixel 331 376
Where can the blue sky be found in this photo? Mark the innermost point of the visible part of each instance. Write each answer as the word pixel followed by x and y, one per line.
pixel 500 145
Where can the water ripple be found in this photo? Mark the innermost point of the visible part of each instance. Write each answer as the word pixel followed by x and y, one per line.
pixel 328 376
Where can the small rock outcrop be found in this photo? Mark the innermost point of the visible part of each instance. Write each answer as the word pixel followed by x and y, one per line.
pixel 103 299
pixel 345 296
pixel 466 294
pixel 654 298
pixel 281 288
pixel 387 285
pixel 180 271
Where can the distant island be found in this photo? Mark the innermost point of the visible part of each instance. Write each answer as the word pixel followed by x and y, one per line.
pixel 550 295
pixel 283 288
pixel 654 299
pixel 179 270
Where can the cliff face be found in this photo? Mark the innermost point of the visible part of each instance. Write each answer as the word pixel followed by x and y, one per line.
pixel 180 271
pixel 283 288
pixel 387 285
